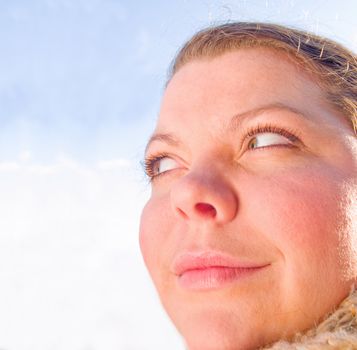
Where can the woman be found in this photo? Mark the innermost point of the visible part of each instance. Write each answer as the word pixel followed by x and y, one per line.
pixel 250 234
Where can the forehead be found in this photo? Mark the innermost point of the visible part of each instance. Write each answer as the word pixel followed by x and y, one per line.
pixel 240 80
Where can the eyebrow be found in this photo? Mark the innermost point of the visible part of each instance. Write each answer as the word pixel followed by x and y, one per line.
pixel 233 124
pixel 237 119
pixel 167 138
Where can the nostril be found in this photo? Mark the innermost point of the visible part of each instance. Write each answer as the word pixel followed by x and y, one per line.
pixel 206 209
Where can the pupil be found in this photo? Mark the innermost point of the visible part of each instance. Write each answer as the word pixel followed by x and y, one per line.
pixel 252 143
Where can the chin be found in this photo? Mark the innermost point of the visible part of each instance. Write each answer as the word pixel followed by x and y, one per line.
pixel 217 329
pixel 216 338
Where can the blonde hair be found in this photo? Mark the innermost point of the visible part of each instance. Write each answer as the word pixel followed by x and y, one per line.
pixel 334 65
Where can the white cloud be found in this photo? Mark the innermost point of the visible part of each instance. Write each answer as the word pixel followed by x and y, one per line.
pixel 6 167
pixel 25 156
pixel 113 164
pixel 70 268
pixel 63 163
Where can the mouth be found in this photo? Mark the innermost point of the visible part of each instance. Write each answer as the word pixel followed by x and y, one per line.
pixel 210 270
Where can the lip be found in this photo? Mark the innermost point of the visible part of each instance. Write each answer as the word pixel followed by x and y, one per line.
pixel 211 270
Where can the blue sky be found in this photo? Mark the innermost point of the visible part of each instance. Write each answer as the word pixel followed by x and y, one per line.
pixel 80 88
pixel 81 77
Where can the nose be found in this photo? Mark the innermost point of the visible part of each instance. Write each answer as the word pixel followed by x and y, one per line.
pixel 204 196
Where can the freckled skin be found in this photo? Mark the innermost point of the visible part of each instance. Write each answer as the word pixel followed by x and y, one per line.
pixel 284 206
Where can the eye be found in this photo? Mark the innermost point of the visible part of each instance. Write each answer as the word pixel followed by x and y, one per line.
pixel 267 139
pixel 268 136
pixel 165 164
pixel 158 165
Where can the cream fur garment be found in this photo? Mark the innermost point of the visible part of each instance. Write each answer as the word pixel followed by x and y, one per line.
pixel 337 332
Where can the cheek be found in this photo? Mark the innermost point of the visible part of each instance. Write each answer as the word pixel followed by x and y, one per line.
pixel 304 215
pixel 148 235
pixel 154 238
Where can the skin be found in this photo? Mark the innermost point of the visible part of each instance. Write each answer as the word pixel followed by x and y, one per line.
pixel 288 204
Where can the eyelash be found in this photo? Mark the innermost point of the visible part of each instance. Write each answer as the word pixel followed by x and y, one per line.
pixel 289 134
pixel 149 165
pixel 150 162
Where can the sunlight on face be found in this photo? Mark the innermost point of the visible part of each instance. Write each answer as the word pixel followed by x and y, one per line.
pixel 248 234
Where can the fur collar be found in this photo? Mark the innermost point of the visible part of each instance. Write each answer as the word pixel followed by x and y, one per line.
pixel 337 332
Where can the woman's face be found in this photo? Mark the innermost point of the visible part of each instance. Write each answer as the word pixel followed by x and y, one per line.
pixel 249 233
